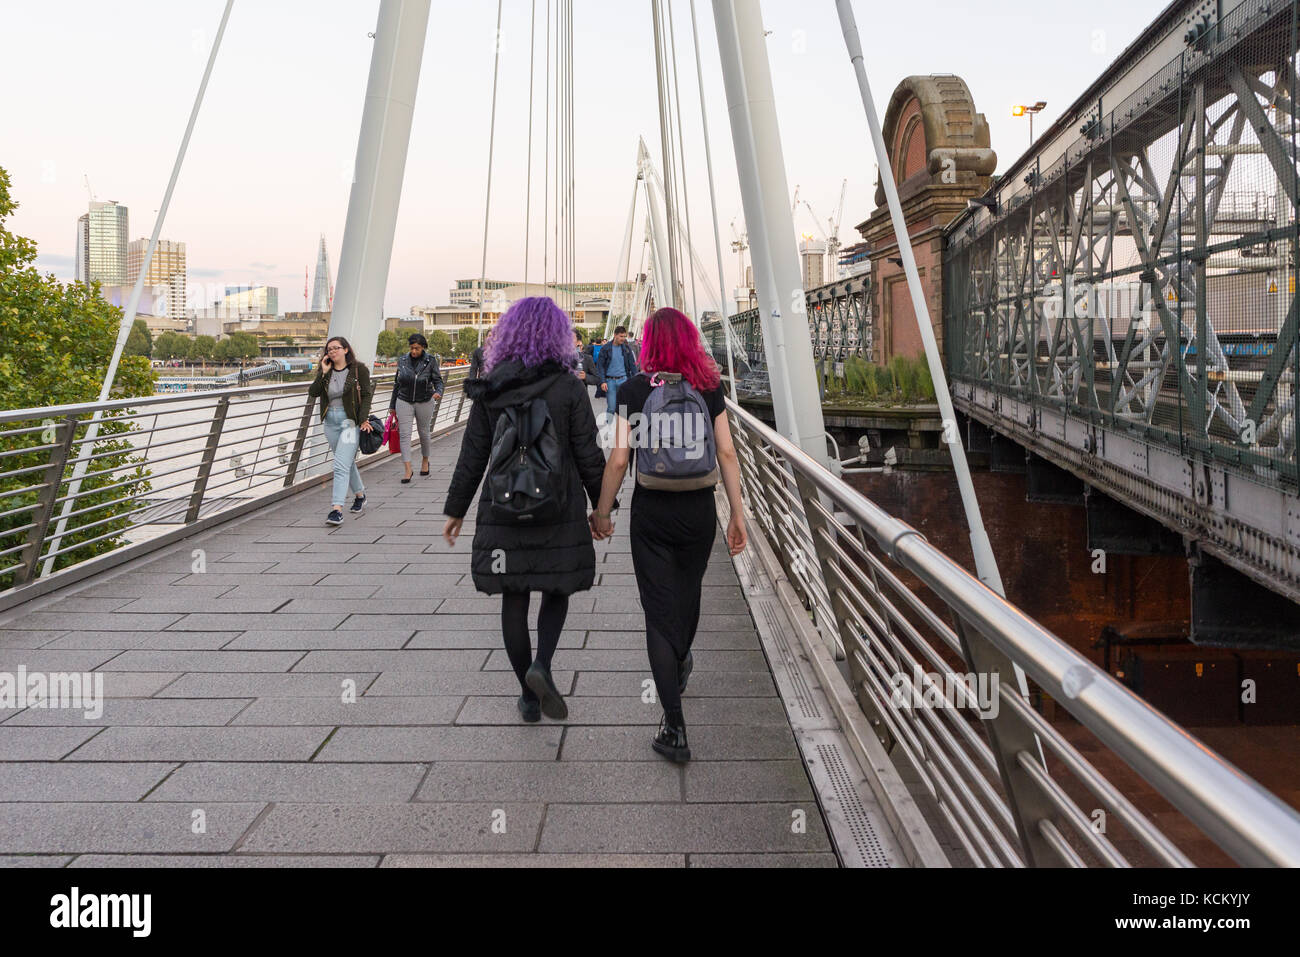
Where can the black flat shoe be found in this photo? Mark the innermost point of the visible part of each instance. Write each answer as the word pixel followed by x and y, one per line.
pixel 671 742
pixel 539 681
pixel 684 668
pixel 530 711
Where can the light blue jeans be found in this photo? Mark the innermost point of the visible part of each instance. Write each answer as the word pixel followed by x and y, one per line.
pixel 611 393
pixel 341 434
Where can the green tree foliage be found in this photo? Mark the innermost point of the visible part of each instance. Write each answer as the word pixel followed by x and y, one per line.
pixel 139 342
pixel 171 345
pixel 242 345
pixel 55 344
pixel 203 348
pixel 467 340
pixel 439 343
pixel 390 345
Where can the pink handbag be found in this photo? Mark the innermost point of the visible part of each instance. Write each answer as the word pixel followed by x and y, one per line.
pixel 392 434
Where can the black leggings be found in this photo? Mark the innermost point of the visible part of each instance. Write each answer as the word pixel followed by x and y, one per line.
pixel 514 626
pixel 671 536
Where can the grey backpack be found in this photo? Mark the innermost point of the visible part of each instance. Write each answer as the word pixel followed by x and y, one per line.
pixel 675 447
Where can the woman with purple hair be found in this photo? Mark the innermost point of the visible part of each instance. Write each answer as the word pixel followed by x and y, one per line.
pixel 532 428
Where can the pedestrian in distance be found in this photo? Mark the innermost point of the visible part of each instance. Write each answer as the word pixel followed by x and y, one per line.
pixel 344 388
pixel 673 419
pixel 416 391
pixel 586 372
pixel 616 363
pixel 533 432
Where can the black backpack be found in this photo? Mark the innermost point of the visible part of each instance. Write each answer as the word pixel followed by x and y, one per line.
pixel 525 477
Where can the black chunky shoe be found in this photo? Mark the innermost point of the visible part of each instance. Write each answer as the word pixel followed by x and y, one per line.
pixel 684 671
pixel 671 742
pixel 539 681
pixel 530 711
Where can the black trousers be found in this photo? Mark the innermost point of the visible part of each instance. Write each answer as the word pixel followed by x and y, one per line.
pixel 671 536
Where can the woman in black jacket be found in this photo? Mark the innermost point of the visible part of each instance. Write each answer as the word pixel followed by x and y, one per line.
pixel 416 390
pixel 529 357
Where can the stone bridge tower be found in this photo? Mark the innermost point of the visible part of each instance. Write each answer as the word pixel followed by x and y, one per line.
pixel 939 151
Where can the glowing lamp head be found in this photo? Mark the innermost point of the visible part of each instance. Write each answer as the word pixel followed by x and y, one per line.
pixel 1017 110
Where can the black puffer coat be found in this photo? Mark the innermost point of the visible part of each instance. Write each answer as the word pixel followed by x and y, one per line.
pixel 556 558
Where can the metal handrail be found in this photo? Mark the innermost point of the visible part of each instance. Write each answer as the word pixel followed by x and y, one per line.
pixel 1246 821
pixel 257 453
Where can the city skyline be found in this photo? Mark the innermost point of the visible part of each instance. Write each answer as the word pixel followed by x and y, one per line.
pixel 254 215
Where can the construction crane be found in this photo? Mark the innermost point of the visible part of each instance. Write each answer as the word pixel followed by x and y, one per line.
pixel 90 192
pixel 794 203
pixel 832 237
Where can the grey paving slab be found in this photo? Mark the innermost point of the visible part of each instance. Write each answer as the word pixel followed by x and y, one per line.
pixel 137 712
pixel 635 660
pixel 183 603
pixel 34 860
pixel 484 639
pixel 312 640
pixel 127 640
pixel 79 781
pixel 200 744
pixel 368 610
pixel 747 781
pixel 226 860
pixel 405 660
pixel 415 584
pixel 161 660
pixel 136 684
pixel 708 743
pixel 491 604
pixel 234 580
pixel 209 621
pixel 827 859
pixel 268 586
pixel 41 744
pixel 28 639
pixel 78 605
pixel 395 710
pixel 634 620
pixel 396 828
pixel 143 590
pixel 668 828
pixel 122 828
pixel 534 860
pixel 256 685
pixel 571 781
pixel 283 781
pixel 605 710
pixel 41 659
pixel 457 682
pixel 539 742
pixel 708 641
pixel 727 684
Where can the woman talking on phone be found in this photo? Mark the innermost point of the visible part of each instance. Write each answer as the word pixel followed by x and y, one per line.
pixel 344 388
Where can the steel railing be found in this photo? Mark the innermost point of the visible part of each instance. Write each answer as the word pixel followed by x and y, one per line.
pixel 930 652
pixel 160 462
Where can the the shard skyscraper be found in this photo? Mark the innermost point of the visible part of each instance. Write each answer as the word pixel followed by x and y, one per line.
pixel 320 291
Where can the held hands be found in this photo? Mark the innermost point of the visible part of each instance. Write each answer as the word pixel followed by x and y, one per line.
pixel 601 527
pixel 366 427
pixel 451 530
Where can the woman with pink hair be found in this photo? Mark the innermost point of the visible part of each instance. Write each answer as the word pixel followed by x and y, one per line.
pixel 673 523
pixel 533 430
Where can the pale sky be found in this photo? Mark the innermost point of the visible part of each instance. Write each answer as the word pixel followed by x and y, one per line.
pixel 103 89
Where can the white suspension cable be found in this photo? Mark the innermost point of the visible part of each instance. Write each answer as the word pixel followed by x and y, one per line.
pixel 546 152
pixel 713 205
pixel 681 153
pixel 133 303
pixel 487 203
pixel 528 174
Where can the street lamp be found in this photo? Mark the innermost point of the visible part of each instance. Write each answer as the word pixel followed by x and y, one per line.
pixel 1021 110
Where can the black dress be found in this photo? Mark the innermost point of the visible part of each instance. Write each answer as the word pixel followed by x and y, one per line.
pixel 557 558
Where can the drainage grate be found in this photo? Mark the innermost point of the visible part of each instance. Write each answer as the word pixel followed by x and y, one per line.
pixel 856 819
pixel 774 618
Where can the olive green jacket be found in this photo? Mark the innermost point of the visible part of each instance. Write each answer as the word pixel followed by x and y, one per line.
pixel 358 415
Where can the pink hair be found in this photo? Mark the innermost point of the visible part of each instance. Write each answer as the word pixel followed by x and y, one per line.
pixel 671 343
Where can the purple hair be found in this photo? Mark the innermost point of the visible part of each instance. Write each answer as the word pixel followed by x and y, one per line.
pixel 532 330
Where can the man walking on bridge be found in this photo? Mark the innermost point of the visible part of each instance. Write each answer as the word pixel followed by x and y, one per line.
pixel 616 363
